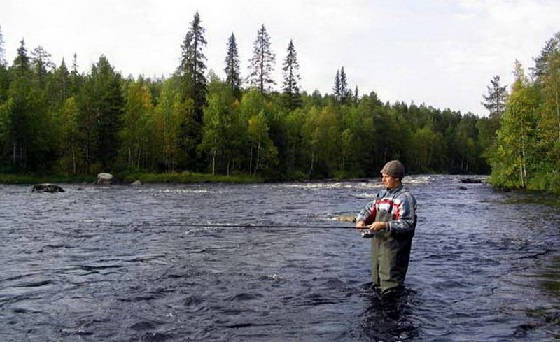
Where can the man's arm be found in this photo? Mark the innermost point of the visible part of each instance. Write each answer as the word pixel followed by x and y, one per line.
pixel 404 218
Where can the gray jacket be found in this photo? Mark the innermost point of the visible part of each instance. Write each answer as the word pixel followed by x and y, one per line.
pixel 397 207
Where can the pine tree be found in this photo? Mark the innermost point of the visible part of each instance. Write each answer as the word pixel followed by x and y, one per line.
pixel 495 101
pixel 291 78
pixel 233 79
pixel 193 67
pixel 261 64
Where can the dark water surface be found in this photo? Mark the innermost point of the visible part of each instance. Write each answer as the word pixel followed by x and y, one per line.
pixel 122 264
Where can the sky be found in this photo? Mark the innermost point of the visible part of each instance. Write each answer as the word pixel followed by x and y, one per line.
pixel 438 53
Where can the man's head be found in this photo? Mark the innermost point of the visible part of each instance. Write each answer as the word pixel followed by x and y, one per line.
pixel 392 173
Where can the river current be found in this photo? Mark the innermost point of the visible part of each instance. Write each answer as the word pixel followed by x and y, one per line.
pixel 150 263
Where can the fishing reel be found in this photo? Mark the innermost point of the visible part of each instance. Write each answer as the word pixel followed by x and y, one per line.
pixel 367 233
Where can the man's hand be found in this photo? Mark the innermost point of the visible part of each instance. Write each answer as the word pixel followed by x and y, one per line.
pixel 377 226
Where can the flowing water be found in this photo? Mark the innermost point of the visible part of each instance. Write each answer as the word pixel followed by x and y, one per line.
pixel 127 263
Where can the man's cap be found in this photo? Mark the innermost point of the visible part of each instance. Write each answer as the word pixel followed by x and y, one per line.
pixel 394 168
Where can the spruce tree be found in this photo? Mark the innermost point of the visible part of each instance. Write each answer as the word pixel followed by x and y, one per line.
pixel 291 78
pixel 233 79
pixel 193 67
pixel 495 101
pixel 336 88
pixel 21 62
pixel 345 93
pixel 261 64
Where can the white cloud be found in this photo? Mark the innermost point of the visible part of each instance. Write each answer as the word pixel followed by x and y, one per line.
pixel 442 53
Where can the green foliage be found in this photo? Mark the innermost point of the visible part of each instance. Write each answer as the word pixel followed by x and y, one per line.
pixel 189 177
pixel 56 120
pixel 516 154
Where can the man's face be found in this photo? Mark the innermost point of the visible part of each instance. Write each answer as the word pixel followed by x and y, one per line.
pixel 390 182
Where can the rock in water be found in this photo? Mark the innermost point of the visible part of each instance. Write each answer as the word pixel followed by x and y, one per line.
pixel 471 180
pixel 104 178
pixel 47 187
pixel 136 183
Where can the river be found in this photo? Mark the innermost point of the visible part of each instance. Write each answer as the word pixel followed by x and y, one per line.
pixel 125 263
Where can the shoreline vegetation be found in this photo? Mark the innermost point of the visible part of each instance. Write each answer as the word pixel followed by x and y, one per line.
pixel 184 177
pixel 63 122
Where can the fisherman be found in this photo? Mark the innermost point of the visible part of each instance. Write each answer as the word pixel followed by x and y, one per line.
pixel 389 220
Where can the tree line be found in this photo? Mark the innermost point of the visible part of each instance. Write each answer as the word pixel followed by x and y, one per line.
pixel 55 119
pixel 526 151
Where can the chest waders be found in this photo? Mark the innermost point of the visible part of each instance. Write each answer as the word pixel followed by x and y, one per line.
pixel 389 254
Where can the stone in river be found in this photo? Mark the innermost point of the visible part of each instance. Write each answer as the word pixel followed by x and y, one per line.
pixel 104 178
pixel 47 187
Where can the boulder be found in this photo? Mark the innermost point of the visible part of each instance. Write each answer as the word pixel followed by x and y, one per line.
pixel 136 183
pixel 471 180
pixel 47 187
pixel 104 178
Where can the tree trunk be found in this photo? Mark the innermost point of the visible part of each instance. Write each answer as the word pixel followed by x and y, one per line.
pixel 257 162
pixel 251 161
pixel 213 162
pixel 73 161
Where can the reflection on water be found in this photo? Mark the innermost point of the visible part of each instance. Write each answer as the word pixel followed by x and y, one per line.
pixel 133 264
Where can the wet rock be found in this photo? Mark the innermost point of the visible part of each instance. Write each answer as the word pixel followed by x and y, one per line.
pixel 136 183
pixel 47 187
pixel 104 178
pixel 471 180
pixel 462 188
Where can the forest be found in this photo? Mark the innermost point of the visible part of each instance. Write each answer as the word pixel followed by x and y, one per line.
pixel 56 120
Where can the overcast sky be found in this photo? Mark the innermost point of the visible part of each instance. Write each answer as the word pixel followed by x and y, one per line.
pixel 441 53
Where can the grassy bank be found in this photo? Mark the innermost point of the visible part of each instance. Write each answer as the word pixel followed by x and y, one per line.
pixel 125 178
pixel 10 178
pixel 188 177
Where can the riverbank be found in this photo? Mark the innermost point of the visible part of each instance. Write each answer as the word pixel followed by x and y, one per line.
pixel 127 178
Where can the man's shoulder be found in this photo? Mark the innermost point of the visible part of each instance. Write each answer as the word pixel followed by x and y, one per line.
pixel 405 192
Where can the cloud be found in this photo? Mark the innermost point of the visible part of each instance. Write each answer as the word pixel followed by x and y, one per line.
pixel 443 53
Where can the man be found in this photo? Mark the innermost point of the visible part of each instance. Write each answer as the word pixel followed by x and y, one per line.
pixel 390 220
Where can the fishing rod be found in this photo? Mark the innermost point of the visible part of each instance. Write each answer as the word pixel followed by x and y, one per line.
pixel 297 226
pixel 248 225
